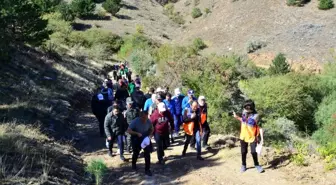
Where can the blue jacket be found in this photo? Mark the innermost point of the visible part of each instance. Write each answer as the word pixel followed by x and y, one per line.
pixel 177 105
pixel 148 103
pixel 185 102
pixel 170 105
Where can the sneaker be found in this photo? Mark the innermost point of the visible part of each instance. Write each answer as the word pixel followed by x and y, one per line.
pixel 243 169
pixel 122 158
pixel 260 169
pixel 207 147
pixel 110 153
pixel 118 151
pixel 200 158
pixel 148 173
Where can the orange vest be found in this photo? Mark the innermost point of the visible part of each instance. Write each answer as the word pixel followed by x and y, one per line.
pixel 189 127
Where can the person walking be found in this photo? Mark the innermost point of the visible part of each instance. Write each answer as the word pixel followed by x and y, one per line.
pixel 249 134
pixel 131 86
pixel 138 97
pixel 153 107
pixel 162 122
pixel 115 127
pixel 186 102
pixel 192 127
pixel 149 93
pixel 177 110
pixel 99 106
pixel 204 121
pixel 170 106
pixel 121 96
pixel 149 102
pixel 141 130
pixel 130 114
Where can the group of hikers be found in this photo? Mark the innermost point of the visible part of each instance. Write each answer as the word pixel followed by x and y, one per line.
pixel 132 118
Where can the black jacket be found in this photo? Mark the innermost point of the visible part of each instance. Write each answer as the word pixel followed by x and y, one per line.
pixel 99 107
pixel 121 94
pixel 115 125
pixel 139 99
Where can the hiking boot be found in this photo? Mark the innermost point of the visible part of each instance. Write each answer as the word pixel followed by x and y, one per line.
pixel 122 158
pixel 200 158
pixel 260 169
pixel 110 153
pixel 148 173
pixel 243 169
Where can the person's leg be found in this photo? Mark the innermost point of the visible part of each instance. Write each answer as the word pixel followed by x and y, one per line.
pixel 121 146
pixel 128 142
pixel 193 142
pixel 159 147
pixel 110 146
pixel 176 123
pixel 147 152
pixel 206 130
pixel 187 141
pixel 198 144
pixel 243 147
pixel 135 155
pixel 101 119
pixel 254 153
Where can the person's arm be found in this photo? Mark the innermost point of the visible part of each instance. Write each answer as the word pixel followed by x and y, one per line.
pixel 260 129
pixel 146 105
pixel 186 119
pixel 131 131
pixel 107 126
pixel 171 120
pixel 185 102
pixel 237 117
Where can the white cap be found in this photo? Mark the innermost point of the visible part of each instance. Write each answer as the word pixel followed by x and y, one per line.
pixel 177 91
pixel 159 89
pixel 201 98
pixel 162 107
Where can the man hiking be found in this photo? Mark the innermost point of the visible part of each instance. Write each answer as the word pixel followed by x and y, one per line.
pixel 162 122
pixel 149 102
pixel 130 114
pixel 170 106
pixel 107 91
pixel 192 127
pixel 121 95
pixel 99 105
pixel 131 86
pixel 249 134
pixel 186 102
pixel 203 107
pixel 115 127
pixel 177 110
pixel 149 93
pixel 140 129
pixel 138 97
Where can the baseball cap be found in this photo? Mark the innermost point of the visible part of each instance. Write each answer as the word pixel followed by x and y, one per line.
pixel 129 100
pixel 162 107
pixel 201 98
pixel 190 92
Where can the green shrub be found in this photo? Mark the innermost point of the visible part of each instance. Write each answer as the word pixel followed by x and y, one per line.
pixel 66 11
pixel 98 169
pixel 297 2
pixel 207 10
pixel 112 6
pixel 326 110
pixel 198 44
pixel 139 29
pixel 326 4
pixel 289 96
pixel 176 17
pixel 279 65
pixel 328 153
pixel 101 13
pixel 196 12
pixel 83 8
pixel 47 6
pixel 136 41
pixel 299 158
pixel 141 61
pixel 254 46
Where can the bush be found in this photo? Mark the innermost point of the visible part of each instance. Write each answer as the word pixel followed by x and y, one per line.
pixel 196 12
pixel 297 2
pixel 83 8
pixel 47 6
pixel 279 131
pixel 141 61
pixel 98 169
pixel 289 96
pixel 133 42
pixel 66 12
pixel 198 44
pixel 176 17
pixel 112 6
pixel 101 13
pixel 207 10
pixel 326 4
pixel 328 153
pixel 279 65
pixel 139 29
pixel 300 157
pixel 254 46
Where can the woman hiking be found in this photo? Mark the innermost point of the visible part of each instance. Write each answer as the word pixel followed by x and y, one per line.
pixel 249 134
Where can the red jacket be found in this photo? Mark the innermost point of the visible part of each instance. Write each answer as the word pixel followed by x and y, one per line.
pixel 161 122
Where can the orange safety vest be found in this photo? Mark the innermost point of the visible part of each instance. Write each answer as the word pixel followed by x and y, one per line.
pixel 189 127
pixel 204 115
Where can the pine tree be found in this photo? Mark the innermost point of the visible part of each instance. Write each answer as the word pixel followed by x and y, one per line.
pixel 112 6
pixel 279 65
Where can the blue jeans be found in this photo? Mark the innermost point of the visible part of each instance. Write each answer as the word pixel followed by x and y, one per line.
pixel 120 139
pixel 198 143
pixel 177 122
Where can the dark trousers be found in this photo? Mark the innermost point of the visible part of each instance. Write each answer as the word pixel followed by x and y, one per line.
pixel 177 122
pixel 161 142
pixel 206 133
pixel 120 139
pixel 128 142
pixel 197 137
pixel 101 119
pixel 244 151
pixel 136 145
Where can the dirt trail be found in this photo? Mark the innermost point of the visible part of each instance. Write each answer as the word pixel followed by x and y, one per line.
pixel 221 166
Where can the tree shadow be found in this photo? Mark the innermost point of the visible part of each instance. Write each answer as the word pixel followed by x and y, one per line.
pixel 81 26
pixel 96 17
pixel 279 162
pixel 124 17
